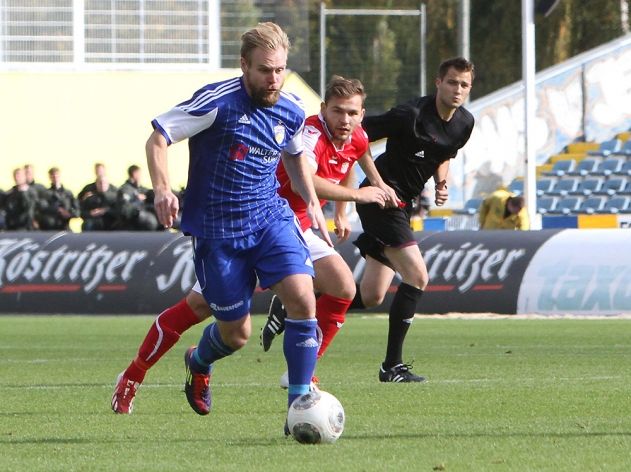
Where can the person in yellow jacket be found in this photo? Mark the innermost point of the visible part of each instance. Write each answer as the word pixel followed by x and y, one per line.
pixel 503 210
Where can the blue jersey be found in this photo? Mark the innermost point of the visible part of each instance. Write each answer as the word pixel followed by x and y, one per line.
pixel 235 147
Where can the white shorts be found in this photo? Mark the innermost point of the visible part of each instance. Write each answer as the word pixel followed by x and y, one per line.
pixel 318 249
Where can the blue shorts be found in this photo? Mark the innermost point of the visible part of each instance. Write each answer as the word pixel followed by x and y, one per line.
pixel 227 269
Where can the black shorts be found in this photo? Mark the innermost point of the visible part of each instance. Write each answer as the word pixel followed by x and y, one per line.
pixel 388 227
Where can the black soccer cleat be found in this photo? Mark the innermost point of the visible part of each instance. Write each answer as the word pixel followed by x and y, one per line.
pixel 275 323
pixel 399 373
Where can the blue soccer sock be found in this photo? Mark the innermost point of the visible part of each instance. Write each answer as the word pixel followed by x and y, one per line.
pixel 300 346
pixel 211 348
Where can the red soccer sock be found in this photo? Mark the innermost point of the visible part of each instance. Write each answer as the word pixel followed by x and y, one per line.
pixel 330 312
pixel 163 334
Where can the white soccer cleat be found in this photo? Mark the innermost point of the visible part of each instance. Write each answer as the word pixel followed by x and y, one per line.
pixel 284 382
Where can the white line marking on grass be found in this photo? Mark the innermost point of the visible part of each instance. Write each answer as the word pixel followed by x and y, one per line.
pixel 111 385
pixel 523 380
pixel 529 379
pixel 499 316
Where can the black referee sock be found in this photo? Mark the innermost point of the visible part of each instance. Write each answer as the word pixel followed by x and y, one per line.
pixel 357 303
pixel 401 315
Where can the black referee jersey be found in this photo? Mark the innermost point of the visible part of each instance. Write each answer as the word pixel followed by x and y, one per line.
pixel 419 140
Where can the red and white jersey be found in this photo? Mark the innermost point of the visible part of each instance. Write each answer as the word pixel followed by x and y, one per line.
pixel 330 162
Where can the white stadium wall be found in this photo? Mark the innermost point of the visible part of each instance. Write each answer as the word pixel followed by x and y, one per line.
pixel 584 98
pixel 73 119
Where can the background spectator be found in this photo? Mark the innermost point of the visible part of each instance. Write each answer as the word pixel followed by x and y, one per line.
pixel 57 206
pixel 100 172
pixel 421 204
pixel 2 213
pixel 29 173
pixel 503 210
pixel 135 204
pixel 97 202
pixel 20 204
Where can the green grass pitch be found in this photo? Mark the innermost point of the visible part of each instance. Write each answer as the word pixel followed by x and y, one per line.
pixel 503 395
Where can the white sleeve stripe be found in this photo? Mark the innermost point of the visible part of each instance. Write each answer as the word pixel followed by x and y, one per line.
pixel 206 98
pixel 218 89
pixel 291 97
pixel 203 98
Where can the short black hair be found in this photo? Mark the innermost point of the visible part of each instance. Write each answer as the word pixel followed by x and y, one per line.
pixel 459 63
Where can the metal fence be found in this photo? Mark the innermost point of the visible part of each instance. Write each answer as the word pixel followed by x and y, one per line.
pixel 130 31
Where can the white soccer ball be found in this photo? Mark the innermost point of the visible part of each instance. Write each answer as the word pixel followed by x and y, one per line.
pixel 316 417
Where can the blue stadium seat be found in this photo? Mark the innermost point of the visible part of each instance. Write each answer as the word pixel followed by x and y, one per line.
pixel 565 186
pixel 471 206
pixel 588 186
pixel 562 167
pixel 620 204
pixel 626 168
pixel 544 185
pixel 610 166
pixel 627 189
pixel 625 149
pixel 516 186
pixel 613 186
pixel 568 205
pixel 546 204
pixel 607 147
pixel 586 166
pixel 592 205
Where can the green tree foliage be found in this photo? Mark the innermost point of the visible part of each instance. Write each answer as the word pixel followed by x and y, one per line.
pixel 237 17
pixel 383 52
pixel 574 27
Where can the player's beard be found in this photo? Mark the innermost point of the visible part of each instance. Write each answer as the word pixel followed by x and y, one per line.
pixel 262 96
pixel 265 98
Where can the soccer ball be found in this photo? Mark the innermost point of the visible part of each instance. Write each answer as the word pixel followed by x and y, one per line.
pixel 316 417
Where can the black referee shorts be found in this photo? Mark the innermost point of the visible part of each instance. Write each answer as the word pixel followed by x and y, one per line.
pixel 387 227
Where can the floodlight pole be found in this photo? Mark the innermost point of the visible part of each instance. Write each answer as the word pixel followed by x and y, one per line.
pixel 464 23
pixel 322 49
pixel 528 73
pixel 214 34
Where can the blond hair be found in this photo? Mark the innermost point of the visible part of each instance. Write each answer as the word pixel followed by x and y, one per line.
pixel 265 36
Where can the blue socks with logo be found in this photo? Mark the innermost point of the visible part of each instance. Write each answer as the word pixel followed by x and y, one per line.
pixel 211 348
pixel 300 346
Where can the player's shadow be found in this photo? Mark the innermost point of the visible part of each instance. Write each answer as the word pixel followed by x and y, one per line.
pixel 256 442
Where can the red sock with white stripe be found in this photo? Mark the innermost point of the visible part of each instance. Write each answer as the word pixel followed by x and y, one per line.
pixel 162 336
pixel 330 312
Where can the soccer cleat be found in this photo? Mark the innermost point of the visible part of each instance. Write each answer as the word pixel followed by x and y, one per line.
pixel 196 387
pixel 284 381
pixel 399 373
pixel 275 323
pixel 124 394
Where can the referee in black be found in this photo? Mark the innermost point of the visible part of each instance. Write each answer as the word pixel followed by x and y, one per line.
pixel 423 135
